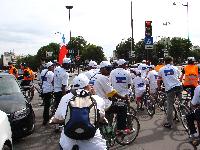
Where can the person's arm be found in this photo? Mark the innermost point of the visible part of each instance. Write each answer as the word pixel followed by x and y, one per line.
pixel 65 78
pixel 182 75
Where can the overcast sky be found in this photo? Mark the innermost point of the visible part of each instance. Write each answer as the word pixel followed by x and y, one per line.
pixel 26 25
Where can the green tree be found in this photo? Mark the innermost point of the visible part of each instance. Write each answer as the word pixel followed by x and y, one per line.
pixel 51 47
pixel 93 52
pixel 179 49
pixel 123 49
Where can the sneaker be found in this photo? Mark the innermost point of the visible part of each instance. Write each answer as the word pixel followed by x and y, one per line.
pixel 167 125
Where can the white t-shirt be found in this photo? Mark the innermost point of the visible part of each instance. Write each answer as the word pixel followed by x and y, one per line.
pixel 152 76
pixel 143 68
pixel 140 86
pixel 120 79
pixel 95 143
pixel 102 87
pixel 47 83
pixel 170 76
pixel 196 97
pixel 61 77
pixel 42 74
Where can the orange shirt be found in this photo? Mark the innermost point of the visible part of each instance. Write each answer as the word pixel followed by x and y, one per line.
pixel 191 75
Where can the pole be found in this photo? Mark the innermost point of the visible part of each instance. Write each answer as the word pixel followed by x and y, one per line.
pixel 132 40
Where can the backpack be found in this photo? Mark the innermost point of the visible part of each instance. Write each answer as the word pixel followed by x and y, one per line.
pixel 81 121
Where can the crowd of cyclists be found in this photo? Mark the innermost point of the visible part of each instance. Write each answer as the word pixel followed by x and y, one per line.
pixel 117 80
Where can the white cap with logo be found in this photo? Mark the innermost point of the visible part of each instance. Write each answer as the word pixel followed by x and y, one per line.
pixel 80 81
pixel 92 64
pixel 49 64
pixel 121 62
pixel 105 64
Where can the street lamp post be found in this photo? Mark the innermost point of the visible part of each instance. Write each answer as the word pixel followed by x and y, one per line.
pixel 132 40
pixel 166 39
pixel 69 8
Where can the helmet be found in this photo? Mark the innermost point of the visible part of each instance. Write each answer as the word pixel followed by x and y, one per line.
pixel 191 59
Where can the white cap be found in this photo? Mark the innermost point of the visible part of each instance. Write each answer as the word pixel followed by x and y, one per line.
pixel 49 64
pixel 80 81
pixel 144 61
pixel 121 62
pixel 66 61
pixel 92 64
pixel 104 64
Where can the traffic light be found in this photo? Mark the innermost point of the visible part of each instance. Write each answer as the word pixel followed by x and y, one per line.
pixel 148 28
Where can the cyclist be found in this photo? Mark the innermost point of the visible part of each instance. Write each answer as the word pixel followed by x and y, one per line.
pixel 47 89
pixel 139 83
pixel 143 68
pixel 28 75
pixel 103 88
pixel 160 64
pixel 195 113
pixel 121 78
pixel 190 72
pixel 169 74
pixel 12 69
pixel 152 76
pixel 81 82
pixel 61 77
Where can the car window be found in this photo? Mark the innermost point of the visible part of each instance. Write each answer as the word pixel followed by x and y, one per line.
pixel 8 85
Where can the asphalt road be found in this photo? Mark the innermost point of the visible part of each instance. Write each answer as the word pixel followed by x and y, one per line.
pixel 152 135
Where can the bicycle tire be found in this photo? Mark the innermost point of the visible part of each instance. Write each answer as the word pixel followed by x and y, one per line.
pixel 132 110
pixel 160 101
pixel 134 121
pixel 183 111
pixel 150 107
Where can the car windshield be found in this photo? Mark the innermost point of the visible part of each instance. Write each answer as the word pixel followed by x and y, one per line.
pixel 8 85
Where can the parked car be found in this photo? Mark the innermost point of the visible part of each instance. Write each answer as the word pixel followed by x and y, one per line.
pixel 5 132
pixel 16 106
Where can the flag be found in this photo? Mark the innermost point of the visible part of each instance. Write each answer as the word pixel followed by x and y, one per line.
pixel 63 52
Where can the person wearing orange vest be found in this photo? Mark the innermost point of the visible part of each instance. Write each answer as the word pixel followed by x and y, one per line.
pixel 27 75
pixel 190 72
pixel 159 65
pixel 12 69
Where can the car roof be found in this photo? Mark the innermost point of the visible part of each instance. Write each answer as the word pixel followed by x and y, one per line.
pixel 6 74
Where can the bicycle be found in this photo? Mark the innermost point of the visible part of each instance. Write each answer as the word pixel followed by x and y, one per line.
pixel 109 132
pixel 179 112
pixel 28 92
pixel 148 102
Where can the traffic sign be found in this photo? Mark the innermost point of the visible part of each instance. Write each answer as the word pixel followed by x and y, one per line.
pixel 148 46
pixel 148 40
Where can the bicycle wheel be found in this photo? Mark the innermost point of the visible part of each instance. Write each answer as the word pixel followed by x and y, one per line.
pixel 183 111
pixel 150 107
pixel 160 101
pixel 131 111
pixel 128 137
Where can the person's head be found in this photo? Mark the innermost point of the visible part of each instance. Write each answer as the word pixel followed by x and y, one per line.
pixel 122 63
pixel 92 65
pixel 49 66
pixel 23 66
pixel 81 82
pixel 151 67
pixel 105 68
pixel 160 61
pixel 144 61
pixel 66 63
pixel 191 60
pixel 138 73
pixel 10 63
pixel 168 60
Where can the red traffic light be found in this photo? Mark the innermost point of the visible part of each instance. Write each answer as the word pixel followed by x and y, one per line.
pixel 148 23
